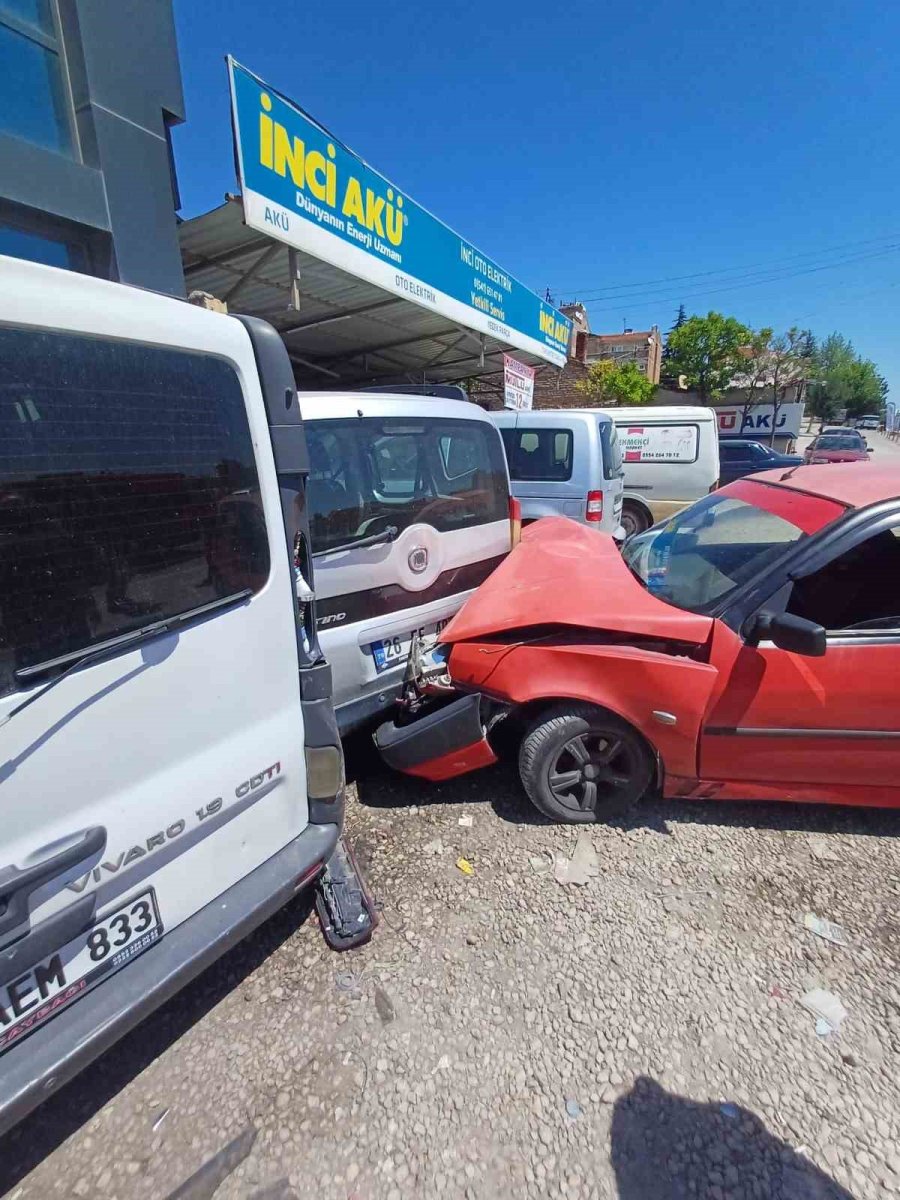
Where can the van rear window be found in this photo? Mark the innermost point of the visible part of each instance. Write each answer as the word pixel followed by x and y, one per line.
pixel 128 492
pixel 369 474
pixel 538 454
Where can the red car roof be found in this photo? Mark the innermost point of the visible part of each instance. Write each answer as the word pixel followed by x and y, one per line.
pixel 853 484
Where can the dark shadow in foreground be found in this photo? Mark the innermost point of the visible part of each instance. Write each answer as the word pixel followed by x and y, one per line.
pixel 24 1147
pixel 667 1147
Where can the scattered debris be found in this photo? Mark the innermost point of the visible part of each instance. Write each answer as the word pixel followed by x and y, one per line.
pixel 541 863
pixel 822 849
pixel 443 1063
pixel 825 929
pixel 777 993
pixel 435 846
pixel 159 1120
pixel 204 1184
pixel 583 864
pixel 729 1110
pixel 467 822
pixel 826 1008
pixel 346 908
pixel 823 1029
pixel 346 981
pixel 384 1005
pixel 573 1109
pixel 465 866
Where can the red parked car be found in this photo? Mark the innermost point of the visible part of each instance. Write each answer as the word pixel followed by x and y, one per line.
pixel 838 448
pixel 749 647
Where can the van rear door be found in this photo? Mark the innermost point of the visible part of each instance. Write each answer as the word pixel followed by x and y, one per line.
pixel 151 731
pixel 548 470
pixel 408 515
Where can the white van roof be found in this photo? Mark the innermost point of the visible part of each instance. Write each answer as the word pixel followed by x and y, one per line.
pixel 324 406
pixel 666 412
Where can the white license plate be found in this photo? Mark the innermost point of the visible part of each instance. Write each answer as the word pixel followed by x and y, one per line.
pixel 390 651
pixel 50 986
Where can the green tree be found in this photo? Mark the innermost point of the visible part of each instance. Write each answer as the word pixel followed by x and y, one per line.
pixel 609 383
pixel 844 381
pixel 680 318
pixel 709 352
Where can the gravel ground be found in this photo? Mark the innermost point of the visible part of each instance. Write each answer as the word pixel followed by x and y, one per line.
pixel 506 1036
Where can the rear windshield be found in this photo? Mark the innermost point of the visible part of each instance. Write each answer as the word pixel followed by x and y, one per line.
pixel 368 475
pixel 844 441
pixel 128 492
pixel 544 454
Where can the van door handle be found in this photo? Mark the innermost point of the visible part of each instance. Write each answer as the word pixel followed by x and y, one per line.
pixel 17 886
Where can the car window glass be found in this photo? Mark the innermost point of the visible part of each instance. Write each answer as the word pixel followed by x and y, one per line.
pixel 128 491
pixel 703 554
pixel 539 454
pixel 730 453
pixel 368 475
pixel 858 590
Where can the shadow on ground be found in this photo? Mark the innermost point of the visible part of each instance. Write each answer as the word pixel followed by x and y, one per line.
pixel 380 787
pixel 47 1127
pixel 667 1147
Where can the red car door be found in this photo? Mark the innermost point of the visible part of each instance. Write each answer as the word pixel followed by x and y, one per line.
pixel 819 728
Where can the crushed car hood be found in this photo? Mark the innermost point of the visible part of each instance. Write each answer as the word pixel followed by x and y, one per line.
pixel 565 574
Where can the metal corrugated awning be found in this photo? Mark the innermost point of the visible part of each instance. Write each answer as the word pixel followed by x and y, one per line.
pixel 336 327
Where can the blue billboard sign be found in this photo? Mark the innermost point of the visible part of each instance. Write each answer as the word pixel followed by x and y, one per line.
pixel 304 187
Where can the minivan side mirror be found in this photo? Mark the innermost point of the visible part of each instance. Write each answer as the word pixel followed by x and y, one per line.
pixel 787 632
pixel 870 449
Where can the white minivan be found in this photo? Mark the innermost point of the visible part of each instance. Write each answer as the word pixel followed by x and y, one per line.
pixel 671 459
pixel 409 511
pixel 564 462
pixel 170 767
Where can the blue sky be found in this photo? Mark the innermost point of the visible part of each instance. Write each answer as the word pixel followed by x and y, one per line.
pixel 741 156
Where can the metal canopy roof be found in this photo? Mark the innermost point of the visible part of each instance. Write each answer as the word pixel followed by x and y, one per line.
pixel 336 327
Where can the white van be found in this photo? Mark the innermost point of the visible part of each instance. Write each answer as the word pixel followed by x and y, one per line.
pixel 170 768
pixel 564 462
pixel 671 459
pixel 409 511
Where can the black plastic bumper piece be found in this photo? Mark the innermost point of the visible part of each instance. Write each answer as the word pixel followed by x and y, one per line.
pixel 51 1056
pixel 344 904
pixel 432 736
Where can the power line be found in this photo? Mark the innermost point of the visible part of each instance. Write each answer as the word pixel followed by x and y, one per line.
pixel 733 287
pixel 739 271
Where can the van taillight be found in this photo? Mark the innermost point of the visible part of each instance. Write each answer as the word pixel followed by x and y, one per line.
pixel 594 508
pixel 515 522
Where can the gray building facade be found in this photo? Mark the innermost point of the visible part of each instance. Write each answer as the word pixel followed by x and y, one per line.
pixel 89 91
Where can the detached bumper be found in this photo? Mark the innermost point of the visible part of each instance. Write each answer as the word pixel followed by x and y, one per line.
pixel 441 745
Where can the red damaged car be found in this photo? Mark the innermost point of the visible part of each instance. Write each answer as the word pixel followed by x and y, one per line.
pixel 748 647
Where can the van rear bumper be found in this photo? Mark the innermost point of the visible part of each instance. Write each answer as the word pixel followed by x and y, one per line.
pixel 51 1056
pixel 448 742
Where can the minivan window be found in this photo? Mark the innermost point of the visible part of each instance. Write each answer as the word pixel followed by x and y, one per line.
pixel 612 450
pixel 370 474
pixel 534 453
pixel 128 491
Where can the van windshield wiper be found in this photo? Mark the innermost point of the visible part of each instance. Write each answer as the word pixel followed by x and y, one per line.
pixel 88 655
pixel 376 539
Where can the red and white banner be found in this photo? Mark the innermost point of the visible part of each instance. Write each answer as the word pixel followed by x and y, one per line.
pixel 518 384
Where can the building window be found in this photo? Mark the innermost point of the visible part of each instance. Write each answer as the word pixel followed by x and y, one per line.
pixel 33 99
pixel 38 247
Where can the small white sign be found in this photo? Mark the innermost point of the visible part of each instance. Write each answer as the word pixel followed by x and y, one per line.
pixel 518 384
pixel 659 443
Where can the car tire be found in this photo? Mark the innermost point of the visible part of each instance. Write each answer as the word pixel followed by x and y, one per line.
pixel 634 519
pixel 580 764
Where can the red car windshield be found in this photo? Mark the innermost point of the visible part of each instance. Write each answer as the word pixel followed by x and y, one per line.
pixel 699 558
pixel 839 442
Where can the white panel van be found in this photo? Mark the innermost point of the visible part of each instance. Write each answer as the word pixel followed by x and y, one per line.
pixel 170 768
pixel 671 459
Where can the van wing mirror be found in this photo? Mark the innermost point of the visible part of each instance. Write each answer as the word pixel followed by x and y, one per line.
pixel 787 632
